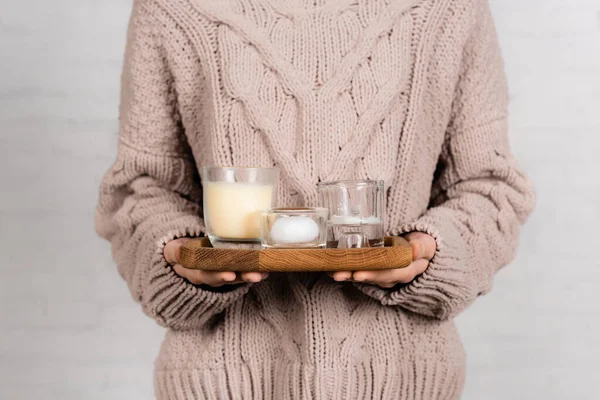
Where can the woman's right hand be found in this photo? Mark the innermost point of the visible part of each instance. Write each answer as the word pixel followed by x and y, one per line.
pixel 216 279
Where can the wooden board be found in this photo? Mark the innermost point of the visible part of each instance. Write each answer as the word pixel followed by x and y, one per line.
pixel 199 254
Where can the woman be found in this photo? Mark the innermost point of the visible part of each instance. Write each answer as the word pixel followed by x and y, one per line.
pixel 409 92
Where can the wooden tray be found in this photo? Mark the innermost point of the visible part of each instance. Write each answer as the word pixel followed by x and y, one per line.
pixel 199 254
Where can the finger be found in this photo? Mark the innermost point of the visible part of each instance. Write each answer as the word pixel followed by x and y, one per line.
pixel 185 273
pixel 172 250
pixel 204 277
pixel 253 277
pixel 377 277
pixel 418 267
pixel 424 246
pixel 403 275
pixel 217 278
pixel 341 276
pixel 390 278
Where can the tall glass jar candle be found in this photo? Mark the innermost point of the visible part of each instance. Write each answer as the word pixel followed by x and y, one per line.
pixel 233 200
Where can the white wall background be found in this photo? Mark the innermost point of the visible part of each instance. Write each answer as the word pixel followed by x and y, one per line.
pixel 68 328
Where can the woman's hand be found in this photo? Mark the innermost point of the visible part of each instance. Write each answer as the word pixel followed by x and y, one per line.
pixel 424 247
pixel 216 279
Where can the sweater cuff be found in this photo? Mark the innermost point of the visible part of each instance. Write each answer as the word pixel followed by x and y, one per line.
pixel 445 288
pixel 177 303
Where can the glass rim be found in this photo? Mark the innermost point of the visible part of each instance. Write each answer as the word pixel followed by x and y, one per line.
pixel 296 210
pixel 218 167
pixel 357 182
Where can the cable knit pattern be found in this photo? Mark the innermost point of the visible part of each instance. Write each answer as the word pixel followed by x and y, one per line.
pixel 411 92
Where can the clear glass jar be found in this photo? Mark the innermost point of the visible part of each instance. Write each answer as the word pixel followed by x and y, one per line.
pixel 356 213
pixel 233 199
pixel 293 228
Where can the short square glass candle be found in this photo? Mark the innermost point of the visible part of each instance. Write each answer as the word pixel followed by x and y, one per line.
pixel 356 213
pixel 233 199
pixel 293 228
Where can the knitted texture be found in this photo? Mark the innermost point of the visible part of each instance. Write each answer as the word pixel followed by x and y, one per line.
pixel 411 92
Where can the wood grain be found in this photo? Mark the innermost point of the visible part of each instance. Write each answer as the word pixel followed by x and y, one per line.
pixel 199 254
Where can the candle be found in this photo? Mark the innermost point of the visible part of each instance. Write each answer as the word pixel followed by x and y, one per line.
pixel 350 220
pixel 288 230
pixel 233 208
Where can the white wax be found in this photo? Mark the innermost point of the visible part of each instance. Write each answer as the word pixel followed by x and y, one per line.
pixel 349 220
pixel 372 220
pixel 233 209
pixel 294 230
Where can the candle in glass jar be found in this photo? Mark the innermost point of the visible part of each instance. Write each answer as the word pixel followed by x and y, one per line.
pixel 354 220
pixel 286 228
pixel 294 229
pixel 233 208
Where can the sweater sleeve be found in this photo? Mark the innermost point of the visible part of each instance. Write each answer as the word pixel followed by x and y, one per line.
pixel 152 193
pixel 480 197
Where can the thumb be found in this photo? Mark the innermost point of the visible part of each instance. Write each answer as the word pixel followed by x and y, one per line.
pixel 424 245
pixel 172 249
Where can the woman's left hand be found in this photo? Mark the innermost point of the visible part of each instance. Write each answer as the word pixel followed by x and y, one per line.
pixel 424 247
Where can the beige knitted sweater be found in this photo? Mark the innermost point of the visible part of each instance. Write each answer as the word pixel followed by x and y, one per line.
pixel 411 92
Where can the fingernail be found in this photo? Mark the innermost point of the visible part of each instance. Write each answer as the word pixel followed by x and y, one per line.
pixel 229 277
pixel 264 275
